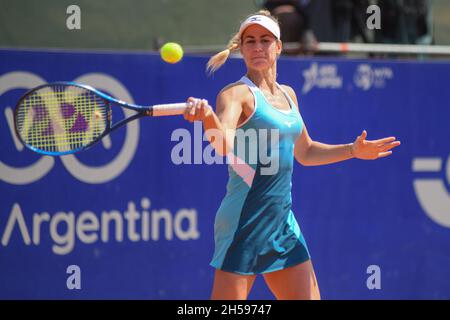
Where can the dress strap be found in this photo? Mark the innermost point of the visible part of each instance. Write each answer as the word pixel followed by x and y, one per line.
pixel 250 84
pixel 254 89
pixel 288 97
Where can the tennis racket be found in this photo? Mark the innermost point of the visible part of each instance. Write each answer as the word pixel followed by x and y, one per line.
pixel 65 117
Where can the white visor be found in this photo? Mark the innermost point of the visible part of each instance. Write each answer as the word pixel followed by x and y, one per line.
pixel 263 21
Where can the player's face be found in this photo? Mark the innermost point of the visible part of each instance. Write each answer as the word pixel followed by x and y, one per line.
pixel 259 47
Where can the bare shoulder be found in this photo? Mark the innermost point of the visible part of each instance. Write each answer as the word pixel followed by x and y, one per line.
pixel 235 89
pixel 236 93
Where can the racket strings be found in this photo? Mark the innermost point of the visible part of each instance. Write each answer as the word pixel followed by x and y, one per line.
pixel 61 118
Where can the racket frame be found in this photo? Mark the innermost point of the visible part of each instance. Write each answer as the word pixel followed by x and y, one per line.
pixel 142 111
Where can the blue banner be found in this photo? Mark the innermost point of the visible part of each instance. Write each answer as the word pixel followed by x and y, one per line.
pixel 126 220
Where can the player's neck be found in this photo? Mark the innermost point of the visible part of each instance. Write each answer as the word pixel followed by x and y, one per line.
pixel 264 79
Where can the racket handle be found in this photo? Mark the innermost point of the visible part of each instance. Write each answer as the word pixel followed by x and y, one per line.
pixel 170 109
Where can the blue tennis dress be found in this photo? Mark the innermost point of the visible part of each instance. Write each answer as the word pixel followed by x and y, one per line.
pixel 255 230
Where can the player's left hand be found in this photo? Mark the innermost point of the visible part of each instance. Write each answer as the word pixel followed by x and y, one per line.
pixel 373 149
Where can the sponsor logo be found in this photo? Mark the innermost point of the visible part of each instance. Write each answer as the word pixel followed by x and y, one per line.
pixel 367 77
pixel 323 76
pixel 67 228
pixel 432 193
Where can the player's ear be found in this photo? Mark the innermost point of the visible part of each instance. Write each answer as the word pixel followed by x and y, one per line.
pixel 279 48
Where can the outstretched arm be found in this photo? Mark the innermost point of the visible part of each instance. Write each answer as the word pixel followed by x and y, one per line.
pixel 314 153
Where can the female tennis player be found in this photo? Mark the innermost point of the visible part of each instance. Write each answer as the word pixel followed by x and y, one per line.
pixel 255 229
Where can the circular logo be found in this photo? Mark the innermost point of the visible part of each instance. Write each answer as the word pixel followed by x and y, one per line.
pixel 364 77
pixel 37 170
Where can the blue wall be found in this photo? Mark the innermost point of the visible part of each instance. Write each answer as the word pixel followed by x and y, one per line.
pixel 393 212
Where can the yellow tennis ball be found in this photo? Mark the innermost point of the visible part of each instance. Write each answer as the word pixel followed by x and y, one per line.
pixel 171 52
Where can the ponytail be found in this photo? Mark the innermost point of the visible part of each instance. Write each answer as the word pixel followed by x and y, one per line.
pixel 216 61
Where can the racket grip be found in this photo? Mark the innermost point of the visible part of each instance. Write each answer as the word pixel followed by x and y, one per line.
pixel 170 109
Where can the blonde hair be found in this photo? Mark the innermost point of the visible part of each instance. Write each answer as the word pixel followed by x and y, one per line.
pixel 217 60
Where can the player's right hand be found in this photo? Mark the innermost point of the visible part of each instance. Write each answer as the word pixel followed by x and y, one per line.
pixel 197 110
